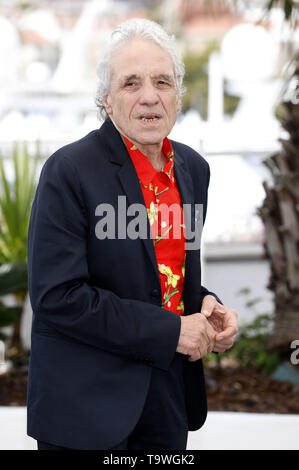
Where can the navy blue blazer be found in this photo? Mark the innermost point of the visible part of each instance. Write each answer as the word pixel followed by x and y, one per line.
pixel 98 328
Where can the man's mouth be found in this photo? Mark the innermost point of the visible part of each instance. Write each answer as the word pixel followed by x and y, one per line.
pixel 150 117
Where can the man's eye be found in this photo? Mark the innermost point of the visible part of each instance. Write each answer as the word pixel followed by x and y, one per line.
pixel 163 83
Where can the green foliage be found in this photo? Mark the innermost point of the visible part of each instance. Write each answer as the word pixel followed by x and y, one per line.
pixel 196 83
pixel 21 361
pixel 250 348
pixel 15 204
pixel 13 280
pixel 8 315
pixel 13 277
pixel 16 195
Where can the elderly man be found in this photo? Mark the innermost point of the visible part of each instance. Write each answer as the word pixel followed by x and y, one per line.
pixel 120 319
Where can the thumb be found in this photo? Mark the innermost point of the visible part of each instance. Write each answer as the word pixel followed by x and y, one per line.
pixel 206 312
pixel 208 305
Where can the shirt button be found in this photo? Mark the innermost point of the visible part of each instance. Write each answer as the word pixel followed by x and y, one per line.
pixel 163 224
pixel 155 293
pixel 169 304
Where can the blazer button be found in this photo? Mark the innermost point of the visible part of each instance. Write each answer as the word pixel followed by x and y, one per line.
pixel 155 293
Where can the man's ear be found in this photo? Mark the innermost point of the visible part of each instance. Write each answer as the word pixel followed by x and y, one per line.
pixel 107 104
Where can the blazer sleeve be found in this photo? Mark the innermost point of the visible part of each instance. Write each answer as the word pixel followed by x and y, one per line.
pixel 204 292
pixel 59 288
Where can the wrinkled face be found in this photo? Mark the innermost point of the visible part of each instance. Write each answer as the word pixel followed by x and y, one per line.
pixel 142 102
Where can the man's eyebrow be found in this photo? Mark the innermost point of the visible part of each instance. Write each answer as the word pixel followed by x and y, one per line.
pixel 127 78
pixel 165 76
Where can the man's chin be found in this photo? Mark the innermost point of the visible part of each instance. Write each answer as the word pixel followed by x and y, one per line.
pixel 150 137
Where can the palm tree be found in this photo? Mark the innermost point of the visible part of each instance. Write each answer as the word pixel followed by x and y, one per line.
pixel 280 214
pixel 280 209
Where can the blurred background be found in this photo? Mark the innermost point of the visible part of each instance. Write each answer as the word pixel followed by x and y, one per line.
pixel 240 111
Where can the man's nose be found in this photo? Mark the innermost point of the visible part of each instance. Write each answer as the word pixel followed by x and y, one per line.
pixel 149 95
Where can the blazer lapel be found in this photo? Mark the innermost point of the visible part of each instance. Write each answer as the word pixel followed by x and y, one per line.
pixel 185 185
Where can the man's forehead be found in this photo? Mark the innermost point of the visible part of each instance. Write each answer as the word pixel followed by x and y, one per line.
pixel 132 59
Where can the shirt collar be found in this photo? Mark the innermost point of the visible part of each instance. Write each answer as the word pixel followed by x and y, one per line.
pixel 145 170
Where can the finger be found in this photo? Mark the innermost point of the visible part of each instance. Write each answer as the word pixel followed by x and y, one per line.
pixel 216 308
pixel 219 349
pixel 202 351
pixel 220 308
pixel 231 340
pixel 213 342
pixel 228 333
pixel 194 357
pixel 206 313
pixel 221 344
pixel 204 337
pixel 208 304
pixel 224 341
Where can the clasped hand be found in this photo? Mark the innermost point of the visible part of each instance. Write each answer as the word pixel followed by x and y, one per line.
pixel 214 329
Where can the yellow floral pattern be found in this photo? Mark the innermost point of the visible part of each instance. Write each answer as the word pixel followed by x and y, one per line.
pixel 152 213
pixel 172 279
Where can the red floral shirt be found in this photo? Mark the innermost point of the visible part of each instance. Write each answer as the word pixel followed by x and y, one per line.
pixel 160 191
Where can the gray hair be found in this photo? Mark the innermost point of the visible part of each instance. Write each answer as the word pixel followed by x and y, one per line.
pixel 136 28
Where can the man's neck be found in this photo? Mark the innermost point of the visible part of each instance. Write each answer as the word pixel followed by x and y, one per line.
pixel 154 154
